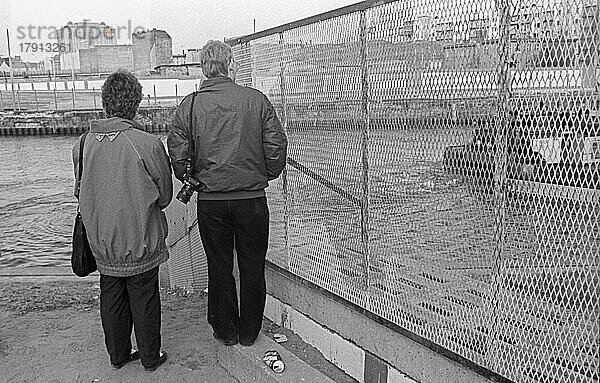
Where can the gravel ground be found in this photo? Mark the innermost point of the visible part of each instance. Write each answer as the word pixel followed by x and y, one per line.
pixel 50 331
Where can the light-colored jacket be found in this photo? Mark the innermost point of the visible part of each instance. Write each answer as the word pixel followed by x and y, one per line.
pixel 126 183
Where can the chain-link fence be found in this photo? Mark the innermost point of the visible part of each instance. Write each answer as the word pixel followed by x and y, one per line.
pixel 443 172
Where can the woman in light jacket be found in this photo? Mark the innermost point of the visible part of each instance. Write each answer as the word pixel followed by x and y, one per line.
pixel 125 185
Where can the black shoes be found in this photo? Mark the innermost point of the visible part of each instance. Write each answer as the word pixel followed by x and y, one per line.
pixel 133 356
pixel 226 342
pixel 161 360
pixel 232 342
pixel 247 343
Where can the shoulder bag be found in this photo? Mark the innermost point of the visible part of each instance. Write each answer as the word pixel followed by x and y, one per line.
pixel 82 259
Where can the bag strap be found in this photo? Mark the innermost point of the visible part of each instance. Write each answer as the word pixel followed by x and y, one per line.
pixel 81 143
pixel 191 148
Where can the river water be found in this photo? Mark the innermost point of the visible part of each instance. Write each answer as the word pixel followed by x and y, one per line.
pixel 37 207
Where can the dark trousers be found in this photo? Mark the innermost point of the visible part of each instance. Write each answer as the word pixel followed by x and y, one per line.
pixel 126 302
pixel 245 225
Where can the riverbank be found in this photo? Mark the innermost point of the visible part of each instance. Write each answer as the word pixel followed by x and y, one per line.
pixel 50 331
pixel 75 122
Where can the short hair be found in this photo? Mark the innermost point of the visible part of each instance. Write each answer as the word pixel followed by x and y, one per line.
pixel 121 95
pixel 215 59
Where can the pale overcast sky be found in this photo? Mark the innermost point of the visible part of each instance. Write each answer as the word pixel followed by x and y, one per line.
pixel 189 22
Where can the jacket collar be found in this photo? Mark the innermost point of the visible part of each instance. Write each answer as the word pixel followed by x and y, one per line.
pixel 113 124
pixel 215 81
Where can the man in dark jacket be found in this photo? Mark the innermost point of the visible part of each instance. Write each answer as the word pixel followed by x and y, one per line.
pixel 236 145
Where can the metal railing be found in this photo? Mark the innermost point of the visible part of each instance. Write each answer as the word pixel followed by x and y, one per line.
pixel 443 172
pixel 81 95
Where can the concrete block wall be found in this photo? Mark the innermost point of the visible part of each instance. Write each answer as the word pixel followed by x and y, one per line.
pixel 364 348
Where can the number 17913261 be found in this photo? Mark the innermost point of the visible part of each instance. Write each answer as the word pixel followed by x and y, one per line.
pixel 44 47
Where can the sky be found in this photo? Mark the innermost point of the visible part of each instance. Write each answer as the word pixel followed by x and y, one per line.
pixel 189 22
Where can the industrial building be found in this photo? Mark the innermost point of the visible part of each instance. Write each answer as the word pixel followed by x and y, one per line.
pixel 151 49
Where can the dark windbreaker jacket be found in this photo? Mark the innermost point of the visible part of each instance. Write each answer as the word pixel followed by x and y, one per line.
pixel 237 141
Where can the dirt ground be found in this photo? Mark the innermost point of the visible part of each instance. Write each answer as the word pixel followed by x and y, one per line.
pixel 50 331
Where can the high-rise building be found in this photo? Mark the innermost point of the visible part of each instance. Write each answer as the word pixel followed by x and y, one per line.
pixel 151 49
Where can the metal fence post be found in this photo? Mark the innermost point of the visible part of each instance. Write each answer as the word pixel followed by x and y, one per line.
pixel 500 160
pixel 55 100
pixel 176 96
pixel 284 175
pixel 94 93
pixel 73 95
pixel 36 100
pixel 366 120
pixel 19 99
pixel 154 89
pixel 1 101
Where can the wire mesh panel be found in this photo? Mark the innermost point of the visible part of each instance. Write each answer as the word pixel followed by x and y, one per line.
pixel 324 120
pixel 443 172
pixel 261 67
pixel 431 149
pixel 187 261
pixel 548 283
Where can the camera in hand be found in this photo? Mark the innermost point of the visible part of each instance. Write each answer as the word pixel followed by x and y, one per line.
pixel 190 185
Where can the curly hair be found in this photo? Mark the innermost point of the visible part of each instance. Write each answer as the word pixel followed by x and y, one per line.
pixel 121 95
pixel 215 58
